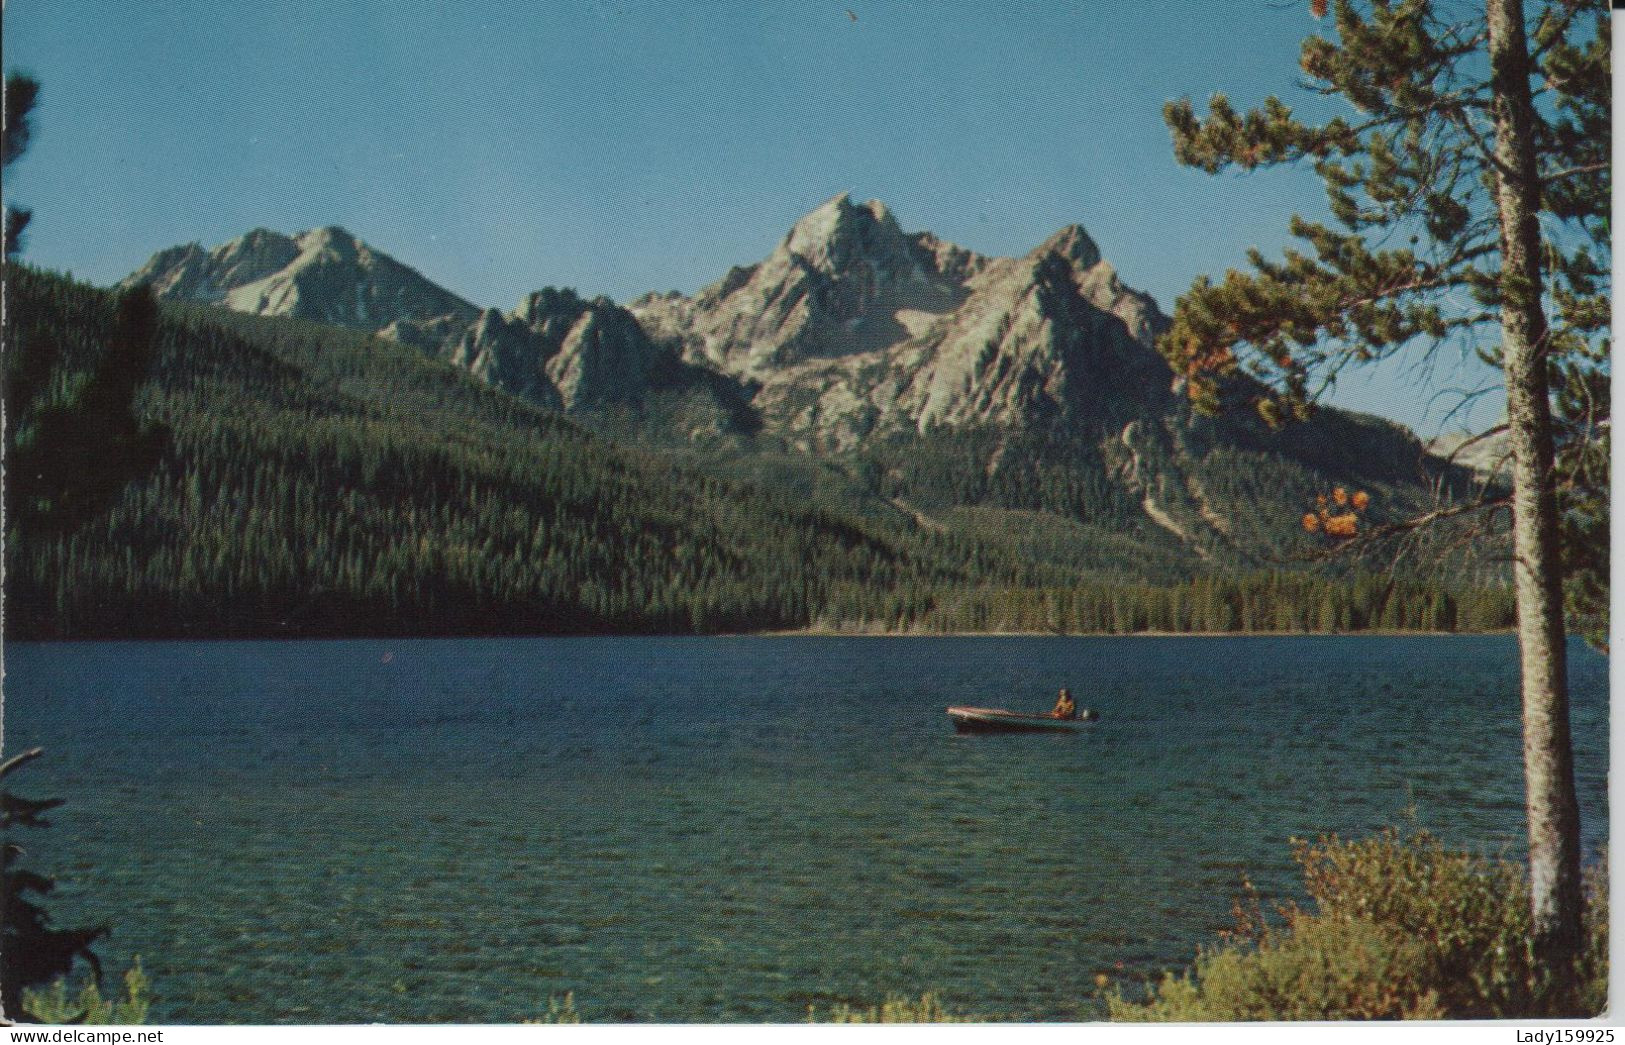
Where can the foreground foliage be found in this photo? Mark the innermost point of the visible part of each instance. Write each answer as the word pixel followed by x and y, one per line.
pixel 55 1005
pixel 1400 928
pixel 32 950
pixel 895 1009
pixel 559 1011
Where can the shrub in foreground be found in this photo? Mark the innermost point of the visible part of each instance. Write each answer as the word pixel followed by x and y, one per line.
pixel 1399 928
pixel 32 950
pixel 55 1005
pixel 895 1009
pixel 559 1012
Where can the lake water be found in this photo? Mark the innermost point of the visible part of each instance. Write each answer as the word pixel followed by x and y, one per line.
pixel 728 829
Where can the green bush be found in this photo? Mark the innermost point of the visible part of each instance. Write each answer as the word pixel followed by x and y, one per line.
pixel 1400 928
pixel 53 1004
pixel 559 1011
pixel 895 1009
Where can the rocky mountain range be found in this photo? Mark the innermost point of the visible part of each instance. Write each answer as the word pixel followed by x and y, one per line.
pixel 853 334
pixel 850 326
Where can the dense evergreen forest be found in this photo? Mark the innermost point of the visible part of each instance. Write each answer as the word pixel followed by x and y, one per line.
pixel 318 482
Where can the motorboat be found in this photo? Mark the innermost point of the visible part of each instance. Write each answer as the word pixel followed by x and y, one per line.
pixel 1002 720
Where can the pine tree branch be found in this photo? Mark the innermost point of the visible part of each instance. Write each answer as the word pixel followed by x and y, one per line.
pixel 1440 281
pixel 1550 35
pixel 19 760
pixel 1481 140
pixel 1488 433
pixel 1377 534
pixel 1569 172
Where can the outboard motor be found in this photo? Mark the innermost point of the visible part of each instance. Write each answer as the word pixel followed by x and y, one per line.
pixel 1088 715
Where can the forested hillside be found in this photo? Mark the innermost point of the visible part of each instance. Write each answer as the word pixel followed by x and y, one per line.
pixel 318 481
pixel 894 376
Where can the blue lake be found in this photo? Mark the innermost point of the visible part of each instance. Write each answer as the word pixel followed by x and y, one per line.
pixel 729 829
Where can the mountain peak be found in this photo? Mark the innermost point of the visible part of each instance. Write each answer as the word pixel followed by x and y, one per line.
pixel 840 232
pixel 1072 243
pixel 325 274
pixel 331 234
pixel 330 237
pixel 822 222
pixel 880 211
pixel 259 239
pixel 251 256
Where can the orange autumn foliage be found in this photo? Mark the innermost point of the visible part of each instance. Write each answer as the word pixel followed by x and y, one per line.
pixel 1343 524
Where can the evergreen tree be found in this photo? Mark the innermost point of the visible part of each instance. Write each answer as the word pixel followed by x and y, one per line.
pixel 1452 150
pixel 32 952
pixel 72 452
pixel 71 447
pixel 21 94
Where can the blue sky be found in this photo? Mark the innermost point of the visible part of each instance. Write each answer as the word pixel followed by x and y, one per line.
pixel 625 147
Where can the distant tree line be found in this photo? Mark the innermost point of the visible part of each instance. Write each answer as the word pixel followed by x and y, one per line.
pixel 1273 601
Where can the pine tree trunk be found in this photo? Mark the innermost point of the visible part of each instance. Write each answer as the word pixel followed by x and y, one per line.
pixel 1554 818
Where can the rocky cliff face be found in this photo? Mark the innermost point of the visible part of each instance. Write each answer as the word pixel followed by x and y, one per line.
pixel 594 351
pixel 555 349
pixel 846 280
pixel 852 326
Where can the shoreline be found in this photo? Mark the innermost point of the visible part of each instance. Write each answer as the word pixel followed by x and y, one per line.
pixel 807 633
pixel 818 633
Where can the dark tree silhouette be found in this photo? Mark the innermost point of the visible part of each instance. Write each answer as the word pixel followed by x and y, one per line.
pixel 72 446
pixel 21 93
pixel 70 456
pixel 31 951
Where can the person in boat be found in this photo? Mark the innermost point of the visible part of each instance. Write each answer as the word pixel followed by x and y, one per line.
pixel 1064 707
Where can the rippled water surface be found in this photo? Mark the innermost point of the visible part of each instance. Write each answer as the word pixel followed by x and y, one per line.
pixel 727 829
